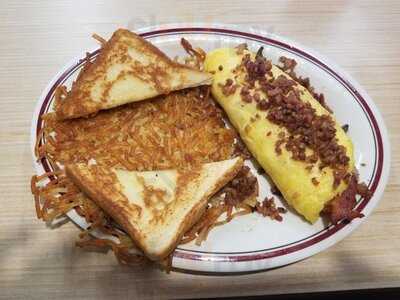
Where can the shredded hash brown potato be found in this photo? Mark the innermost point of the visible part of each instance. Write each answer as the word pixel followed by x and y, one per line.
pixel 55 198
pixel 211 218
pixel 183 128
pixel 124 250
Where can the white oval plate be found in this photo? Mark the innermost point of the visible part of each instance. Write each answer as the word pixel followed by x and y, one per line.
pixel 252 242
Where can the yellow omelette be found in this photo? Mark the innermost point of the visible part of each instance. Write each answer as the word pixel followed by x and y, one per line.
pixel 292 177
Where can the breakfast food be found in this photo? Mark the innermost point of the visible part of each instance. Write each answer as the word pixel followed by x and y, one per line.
pixel 183 128
pixel 127 69
pixel 154 207
pixel 142 173
pixel 290 133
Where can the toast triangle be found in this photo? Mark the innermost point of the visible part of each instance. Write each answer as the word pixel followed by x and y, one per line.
pixel 154 207
pixel 128 69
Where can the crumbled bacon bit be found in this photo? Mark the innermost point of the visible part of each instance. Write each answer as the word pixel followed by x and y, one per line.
pixel 341 207
pixel 244 91
pixel 228 88
pixel 241 149
pixel 269 133
pixel 220 68
pixel 338 175
pixel 274 92
pixel 282 82
pixel 288 64
pixel 247 98
pixel 363 190
pixel 304 82
pixel 278 145
pixel 312 159
pixel 306 129
pixel 288 67
pixel 241 48
pixel 321 99
pixel 245 94
pixel 263 105
pixel 314 181
pixel 258 68
pixel 268 208
pixel 243 186
pixel 347 178
pixel 297 147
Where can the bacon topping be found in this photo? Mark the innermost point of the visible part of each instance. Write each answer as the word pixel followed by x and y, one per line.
pixel 240 48
pixel 229 87
pixel 288 66
pixel 341 207
pixel 314 181
pixel 268 208
pixel 241 149
pixel 258 68
pixel 241 187
pixel 306 129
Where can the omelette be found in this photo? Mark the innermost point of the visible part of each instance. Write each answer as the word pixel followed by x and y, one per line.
pixel 251 90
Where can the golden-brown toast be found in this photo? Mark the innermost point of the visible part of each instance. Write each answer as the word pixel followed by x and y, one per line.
pixel 154 207
pixel 128 69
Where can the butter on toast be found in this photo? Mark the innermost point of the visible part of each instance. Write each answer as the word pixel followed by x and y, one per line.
pixel 154 207
pixel 128 69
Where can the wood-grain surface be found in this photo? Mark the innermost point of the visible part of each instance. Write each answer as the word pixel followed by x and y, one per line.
pixel 39 37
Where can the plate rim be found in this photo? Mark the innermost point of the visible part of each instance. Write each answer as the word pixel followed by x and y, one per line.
pixel 209 261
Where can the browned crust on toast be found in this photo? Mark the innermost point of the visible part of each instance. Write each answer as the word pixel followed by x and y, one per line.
pixel 78 102
pixel 197 211
pixel 103 197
